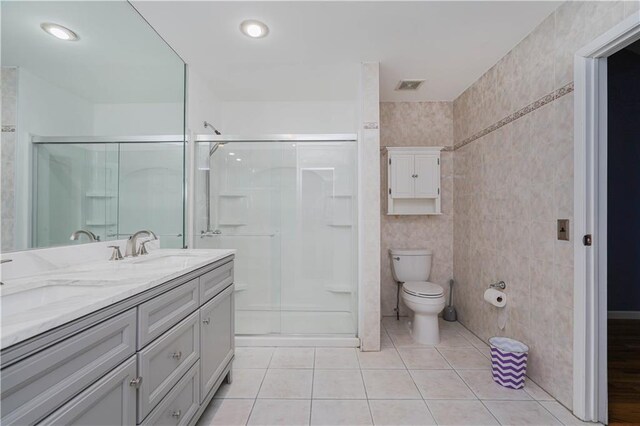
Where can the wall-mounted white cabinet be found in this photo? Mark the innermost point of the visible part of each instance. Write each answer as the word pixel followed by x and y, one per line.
pixel 413 180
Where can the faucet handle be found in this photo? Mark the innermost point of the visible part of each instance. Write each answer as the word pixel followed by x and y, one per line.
pixel 143 248
pixel 116 254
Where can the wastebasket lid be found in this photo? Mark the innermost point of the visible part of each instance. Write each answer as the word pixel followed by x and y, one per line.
pixel 508 345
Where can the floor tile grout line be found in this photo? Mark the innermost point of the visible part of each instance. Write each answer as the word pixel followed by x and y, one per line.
pixel 258 393
pixel 313 378
pixel 553 415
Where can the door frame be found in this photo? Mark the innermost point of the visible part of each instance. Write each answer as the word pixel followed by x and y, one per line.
pixel 590 399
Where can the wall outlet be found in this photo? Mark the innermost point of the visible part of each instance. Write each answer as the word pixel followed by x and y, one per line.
pixel 563 229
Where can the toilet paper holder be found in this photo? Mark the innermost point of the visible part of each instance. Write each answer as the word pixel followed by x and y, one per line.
pixel 500 284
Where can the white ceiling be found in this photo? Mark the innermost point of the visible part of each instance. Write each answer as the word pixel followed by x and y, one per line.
pixel 313 49
pixel 118 59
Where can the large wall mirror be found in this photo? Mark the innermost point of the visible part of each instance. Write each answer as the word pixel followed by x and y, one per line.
pixel 93 125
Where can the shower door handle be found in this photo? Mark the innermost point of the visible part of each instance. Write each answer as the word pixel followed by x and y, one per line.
pixel 397 258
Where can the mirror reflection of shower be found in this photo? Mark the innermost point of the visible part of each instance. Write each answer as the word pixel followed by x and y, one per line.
pixel 287 204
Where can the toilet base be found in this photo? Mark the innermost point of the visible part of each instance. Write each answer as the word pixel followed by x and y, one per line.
pixel 425 329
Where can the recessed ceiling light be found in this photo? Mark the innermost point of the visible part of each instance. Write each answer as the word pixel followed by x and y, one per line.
pixel 232 153
pixel 59 32
pixel 254 29
pixel 238 159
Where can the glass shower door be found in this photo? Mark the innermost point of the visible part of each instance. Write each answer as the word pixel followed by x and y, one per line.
pixel 150 191
pixel 288 208
pixel 110 189
pixel 75 188
pixel 245 210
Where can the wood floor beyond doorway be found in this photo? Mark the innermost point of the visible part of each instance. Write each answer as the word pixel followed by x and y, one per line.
pixel 624 371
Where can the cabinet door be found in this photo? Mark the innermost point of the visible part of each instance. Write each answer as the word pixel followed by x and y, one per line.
pixel 109 401
pixel 216 339
pixel 402 181
pixel 427 172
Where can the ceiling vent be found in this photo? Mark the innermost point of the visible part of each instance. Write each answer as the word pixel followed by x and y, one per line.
pixel 409 84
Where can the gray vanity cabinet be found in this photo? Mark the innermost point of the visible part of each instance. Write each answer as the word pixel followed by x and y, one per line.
pixel 156 358
pixel 216 338
pixel 164 362
pixel 181 403
pixel 35 387
pixel 109 401
pixel 161 313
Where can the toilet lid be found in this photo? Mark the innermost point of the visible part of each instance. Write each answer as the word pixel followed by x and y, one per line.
pixel 423 289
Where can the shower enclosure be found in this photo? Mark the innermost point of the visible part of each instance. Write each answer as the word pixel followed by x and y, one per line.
pixel 112 187
pixel 287 204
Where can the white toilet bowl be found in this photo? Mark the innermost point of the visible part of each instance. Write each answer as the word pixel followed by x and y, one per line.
pixel 426 300
pixel 412 268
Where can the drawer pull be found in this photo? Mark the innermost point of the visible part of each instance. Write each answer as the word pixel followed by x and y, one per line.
pixel 176 414
pixel 176 355
pixel 136 382
pixel 206 321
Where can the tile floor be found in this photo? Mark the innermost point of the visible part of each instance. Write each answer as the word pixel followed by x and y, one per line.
pixel 404 384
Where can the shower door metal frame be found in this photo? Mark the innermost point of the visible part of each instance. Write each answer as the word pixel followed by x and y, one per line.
pixel 293 340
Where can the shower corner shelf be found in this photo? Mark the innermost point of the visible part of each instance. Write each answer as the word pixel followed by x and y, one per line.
pixel 98 223
pixel 340 225
pixel 340 196
pixel 231 195
pixel 96 194
pixel 338 288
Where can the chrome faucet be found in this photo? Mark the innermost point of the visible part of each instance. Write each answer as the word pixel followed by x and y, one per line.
pixel 76 235
pixel 132 244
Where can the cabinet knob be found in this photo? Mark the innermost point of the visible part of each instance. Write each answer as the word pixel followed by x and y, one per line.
pixel 136 382
pixel 176 414
pixel 206 320
pixel 176 355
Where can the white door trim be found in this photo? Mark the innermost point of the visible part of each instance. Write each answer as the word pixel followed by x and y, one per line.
pixel 589 340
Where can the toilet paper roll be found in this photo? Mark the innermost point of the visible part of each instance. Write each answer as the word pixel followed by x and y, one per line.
pixel 495 297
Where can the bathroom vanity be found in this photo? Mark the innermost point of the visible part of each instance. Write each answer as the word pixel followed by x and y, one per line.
pixel 146 340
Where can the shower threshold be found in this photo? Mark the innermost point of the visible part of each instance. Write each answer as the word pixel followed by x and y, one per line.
pixel 294 340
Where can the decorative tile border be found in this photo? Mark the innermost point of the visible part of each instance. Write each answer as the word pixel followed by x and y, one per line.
pixel 8 129
pixel 520 113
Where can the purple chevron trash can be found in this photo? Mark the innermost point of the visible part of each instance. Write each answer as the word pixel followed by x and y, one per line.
pixel 508 362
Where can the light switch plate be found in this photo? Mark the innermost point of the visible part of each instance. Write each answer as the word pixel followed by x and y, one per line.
pixel 563 229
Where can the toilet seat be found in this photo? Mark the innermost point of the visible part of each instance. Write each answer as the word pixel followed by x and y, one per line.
pixel 423 289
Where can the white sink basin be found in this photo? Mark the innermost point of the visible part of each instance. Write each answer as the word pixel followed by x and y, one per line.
pixel 35 298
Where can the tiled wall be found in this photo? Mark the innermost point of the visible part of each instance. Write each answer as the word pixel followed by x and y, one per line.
pixel 513 179
pixel 417 124
pixel 369 220
pixel 9 90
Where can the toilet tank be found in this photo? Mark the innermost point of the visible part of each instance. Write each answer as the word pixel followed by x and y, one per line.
pixel 410 264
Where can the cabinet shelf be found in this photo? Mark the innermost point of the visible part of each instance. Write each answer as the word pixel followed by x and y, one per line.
pixel 413 180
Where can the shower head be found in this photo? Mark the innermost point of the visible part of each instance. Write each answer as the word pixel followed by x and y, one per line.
pixel 207 124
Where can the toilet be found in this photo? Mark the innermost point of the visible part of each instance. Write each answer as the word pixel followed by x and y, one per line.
pixel 425 299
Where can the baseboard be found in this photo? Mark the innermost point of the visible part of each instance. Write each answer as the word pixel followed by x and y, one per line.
pixel 623 315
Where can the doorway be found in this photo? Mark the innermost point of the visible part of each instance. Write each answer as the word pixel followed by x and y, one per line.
pixel 606 194
pixel 623 235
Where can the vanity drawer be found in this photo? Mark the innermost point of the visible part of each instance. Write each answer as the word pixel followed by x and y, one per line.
pixel 213 282
pixel 109 401
pixel 36 386
pixel 181 403
pixel 163 312
pixel 163 362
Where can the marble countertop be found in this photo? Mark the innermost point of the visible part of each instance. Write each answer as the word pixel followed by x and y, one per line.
pixel 40 302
